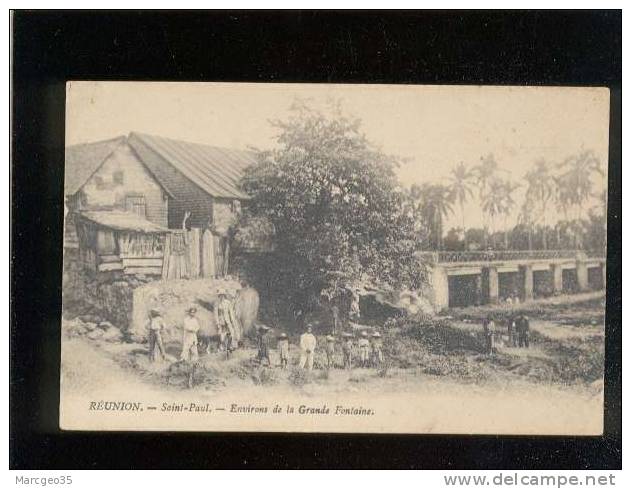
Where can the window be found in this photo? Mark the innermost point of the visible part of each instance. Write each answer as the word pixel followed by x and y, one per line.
pixel 136 204
pixel 118 177
pixel 98 181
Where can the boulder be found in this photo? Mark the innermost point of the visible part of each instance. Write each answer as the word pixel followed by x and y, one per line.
pixel 112 334
pixel 105 325
pixel 96 334
pixel 90 318
pixel 89 326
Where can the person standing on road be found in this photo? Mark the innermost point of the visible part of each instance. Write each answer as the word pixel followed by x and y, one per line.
pixel 347 350
pixel 189 337
pixel 263 346
pixel 364 349
pixel 156 325
pixel 489 335
pixel 523 330
pixel 376 351
pixel 283 350
pixel 228 338
pixel 307 347
pixel 330 351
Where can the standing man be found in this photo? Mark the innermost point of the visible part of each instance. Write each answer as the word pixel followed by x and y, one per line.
pixel 330 352
pixel 347 350
pixel 223 317
pixel 156 325
pixel 489 335
pixel 263 344
pixel 283 350
pixel 189 337
pixel 364 349
pixel 307 347
pixel 523 330
pixel 376 350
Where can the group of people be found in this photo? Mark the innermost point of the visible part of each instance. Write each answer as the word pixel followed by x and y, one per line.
pixel 368 351
pixel 518 333
pixel 229 330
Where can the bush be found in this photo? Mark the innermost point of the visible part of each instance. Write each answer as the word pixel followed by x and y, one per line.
pixel 300 377
pixel 264 376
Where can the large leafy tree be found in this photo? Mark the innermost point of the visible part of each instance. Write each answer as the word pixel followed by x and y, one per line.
pixel 339 215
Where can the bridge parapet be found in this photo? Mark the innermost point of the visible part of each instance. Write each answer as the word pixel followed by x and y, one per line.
pixel 446 257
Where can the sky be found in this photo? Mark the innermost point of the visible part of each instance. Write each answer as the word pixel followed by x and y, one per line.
pixel 432 127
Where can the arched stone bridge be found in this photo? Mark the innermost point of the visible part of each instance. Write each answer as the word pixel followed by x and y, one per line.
pixel 464 278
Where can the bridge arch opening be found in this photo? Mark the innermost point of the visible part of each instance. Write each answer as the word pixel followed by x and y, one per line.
pixel 542 283
pixel 570 281
pixel 464 290
pixel 595 278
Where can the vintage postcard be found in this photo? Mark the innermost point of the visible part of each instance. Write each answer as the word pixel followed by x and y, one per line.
pixel 334 258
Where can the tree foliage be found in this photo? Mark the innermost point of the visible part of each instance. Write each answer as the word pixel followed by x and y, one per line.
pixel 339 215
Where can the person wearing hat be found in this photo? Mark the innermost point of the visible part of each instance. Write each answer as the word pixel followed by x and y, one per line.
pixel 347 350
pixel 283 350
pixel 227 335
pixel 330 351
pixel 189 337
pixel 489 334
pixel 364 349
pixel 156 325
pixel 376 350
pixel 307 347
pixel 263 345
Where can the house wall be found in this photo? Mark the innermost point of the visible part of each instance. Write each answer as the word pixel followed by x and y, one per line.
pixel 122 175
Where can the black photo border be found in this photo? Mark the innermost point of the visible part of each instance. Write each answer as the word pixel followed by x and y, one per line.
pixel 552 48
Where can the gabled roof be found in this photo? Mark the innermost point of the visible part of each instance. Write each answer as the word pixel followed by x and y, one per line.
pixel 82 160
pixel 122 221
pixel 217 171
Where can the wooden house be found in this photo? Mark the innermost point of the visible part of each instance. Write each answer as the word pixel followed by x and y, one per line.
pixel 121 188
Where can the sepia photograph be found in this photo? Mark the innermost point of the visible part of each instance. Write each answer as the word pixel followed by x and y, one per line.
pixel 338 258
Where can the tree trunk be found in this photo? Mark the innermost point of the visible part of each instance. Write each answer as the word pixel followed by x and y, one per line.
pixel 464 228
pixel 545 230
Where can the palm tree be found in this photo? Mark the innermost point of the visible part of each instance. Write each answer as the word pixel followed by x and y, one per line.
pixel 435 203
pixel 576 178
pixel 461 191
pixel 526 219
pixel 498 201
pixel 507 205
pixel 485 174
pixel 541 190
pixel 492 201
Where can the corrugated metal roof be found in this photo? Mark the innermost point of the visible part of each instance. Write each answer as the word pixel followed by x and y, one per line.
pixel 122 221
pixel 82 160
pixel 217 171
